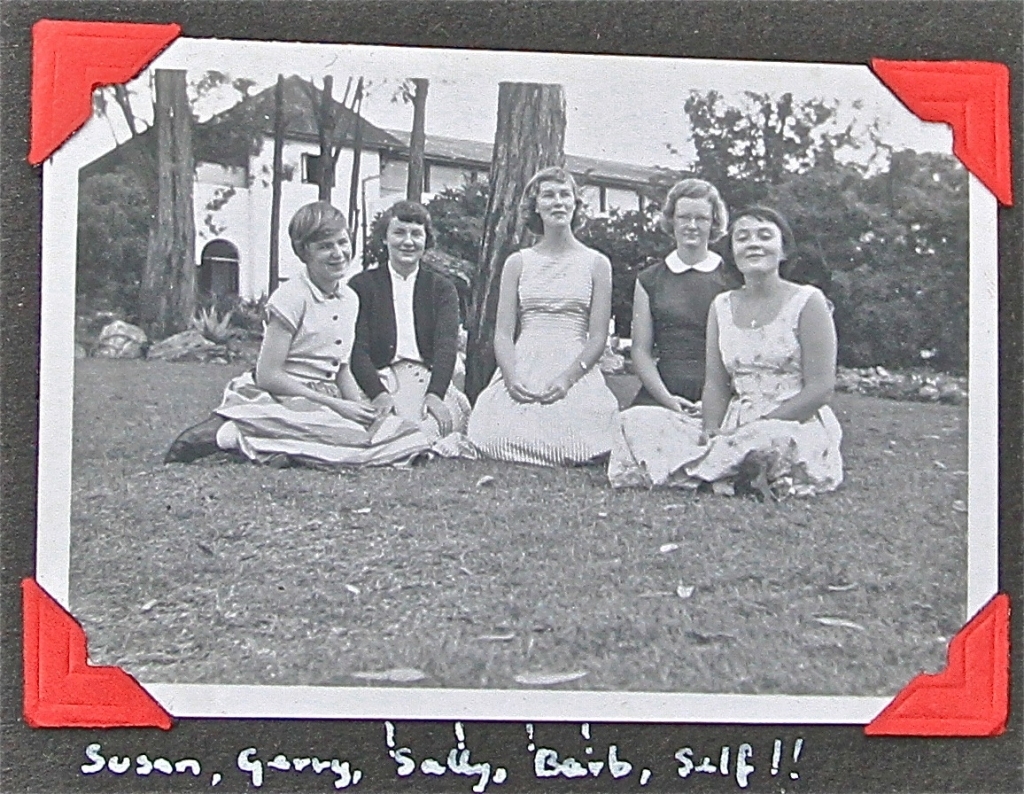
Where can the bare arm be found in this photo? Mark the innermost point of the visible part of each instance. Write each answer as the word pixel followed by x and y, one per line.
pixel 600 316
pixel 505 329
pixel 507 314
pixel 347 385
pixel 817 335
pixel 717 383
pixel 272 377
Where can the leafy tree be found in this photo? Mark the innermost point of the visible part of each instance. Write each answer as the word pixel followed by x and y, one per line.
pixel 743 148
pixel 113 229
pixel 891 251
pixel 631 239
pixel 458 216
pixel 153 189
pixel 885 239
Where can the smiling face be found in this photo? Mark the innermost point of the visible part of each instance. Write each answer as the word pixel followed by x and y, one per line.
pixel 757 245
pixel 556 204
pixel 328 258
pixel 406 243
pixel 691 224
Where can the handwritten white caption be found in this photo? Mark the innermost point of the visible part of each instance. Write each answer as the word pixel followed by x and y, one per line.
pixel 547 763
pixel 247 761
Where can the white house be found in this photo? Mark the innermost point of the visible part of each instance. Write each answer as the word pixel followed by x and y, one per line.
pixel 234 164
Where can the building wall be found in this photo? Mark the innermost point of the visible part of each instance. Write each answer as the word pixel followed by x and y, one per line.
pixel 241 215
pixel 395 177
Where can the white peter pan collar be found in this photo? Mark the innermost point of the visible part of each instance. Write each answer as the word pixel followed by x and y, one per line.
pixel 706 265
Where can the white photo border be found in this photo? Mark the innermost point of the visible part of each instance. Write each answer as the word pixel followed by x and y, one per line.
pixel 57 346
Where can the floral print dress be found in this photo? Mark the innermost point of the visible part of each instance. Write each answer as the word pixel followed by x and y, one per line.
pixel 656 446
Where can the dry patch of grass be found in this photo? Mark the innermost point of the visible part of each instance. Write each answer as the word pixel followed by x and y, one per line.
pixel 223 572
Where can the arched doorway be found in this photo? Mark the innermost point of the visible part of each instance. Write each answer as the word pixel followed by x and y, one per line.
pixel 218 269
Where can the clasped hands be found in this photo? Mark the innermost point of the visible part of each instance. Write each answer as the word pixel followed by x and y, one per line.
pixel 682 406
pixel 384 403
pixel 352 410
pixel 553 392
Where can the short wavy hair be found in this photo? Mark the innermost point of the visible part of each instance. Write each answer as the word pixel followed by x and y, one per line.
pixel 528 203
pixel 407 212
pixel 759 212
pixel 315 222
pixel 695 189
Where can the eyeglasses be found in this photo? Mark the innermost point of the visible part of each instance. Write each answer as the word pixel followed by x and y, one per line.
pixel 698 219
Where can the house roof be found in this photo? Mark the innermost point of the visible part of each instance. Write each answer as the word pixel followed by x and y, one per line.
pixel 299 98
pixel 478 154
pixel 226 138
pixel 223 139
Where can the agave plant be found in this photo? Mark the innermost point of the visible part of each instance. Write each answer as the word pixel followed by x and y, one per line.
pixel 212 326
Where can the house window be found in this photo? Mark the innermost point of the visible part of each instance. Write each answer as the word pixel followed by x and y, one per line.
pixel 443 177
pixel 310 169
pixel 593 197
pixel 394 176
pixel 619 199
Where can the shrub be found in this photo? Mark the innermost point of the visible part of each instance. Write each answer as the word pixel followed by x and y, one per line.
pixel 114 217
pixel 214 327
pixel 631 240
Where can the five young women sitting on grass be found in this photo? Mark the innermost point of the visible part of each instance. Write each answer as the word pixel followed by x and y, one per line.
pixel 735 382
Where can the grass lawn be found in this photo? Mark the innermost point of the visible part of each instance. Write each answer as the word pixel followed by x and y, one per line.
pixel 222 572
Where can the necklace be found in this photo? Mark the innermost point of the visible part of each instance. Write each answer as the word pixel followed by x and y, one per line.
pixel 759 311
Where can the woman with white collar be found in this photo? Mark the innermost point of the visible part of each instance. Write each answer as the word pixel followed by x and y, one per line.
pixel 671 301
pixel 672 298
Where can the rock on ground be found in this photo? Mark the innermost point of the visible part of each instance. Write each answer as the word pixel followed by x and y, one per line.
pixel 182 347
pixel 121 340
pixel 191 345
pixel 919 386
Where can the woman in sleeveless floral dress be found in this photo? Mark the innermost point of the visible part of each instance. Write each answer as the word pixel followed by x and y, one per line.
pixel 771 355
pixel 547 403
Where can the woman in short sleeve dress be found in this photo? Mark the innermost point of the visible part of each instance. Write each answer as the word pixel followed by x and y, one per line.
pixel 300 404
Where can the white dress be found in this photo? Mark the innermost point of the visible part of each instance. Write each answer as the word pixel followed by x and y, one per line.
pixel 656 446
pixel 554 321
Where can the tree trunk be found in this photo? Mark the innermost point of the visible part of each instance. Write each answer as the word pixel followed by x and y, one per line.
pixel 325 130
pixel 168 290
pixel 417 141
pixel 530 136
pixel 357 151
pixel 275 190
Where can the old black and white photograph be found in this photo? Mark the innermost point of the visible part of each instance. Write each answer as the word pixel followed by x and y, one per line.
pixel 397 382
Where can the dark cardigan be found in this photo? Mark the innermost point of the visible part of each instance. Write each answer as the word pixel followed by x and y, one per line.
pixel 436 317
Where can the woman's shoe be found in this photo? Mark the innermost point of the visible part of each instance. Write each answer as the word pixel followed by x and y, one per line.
pixel 196 442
